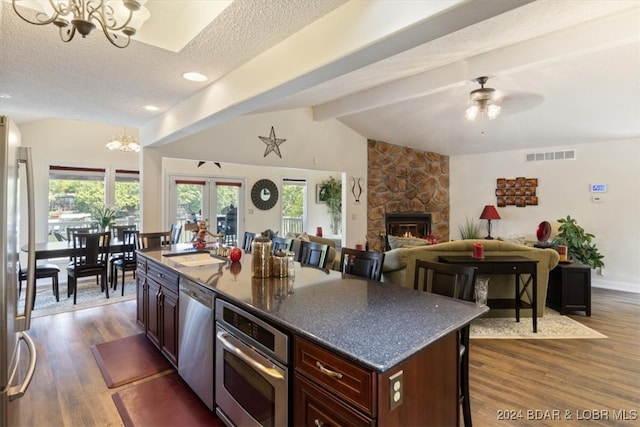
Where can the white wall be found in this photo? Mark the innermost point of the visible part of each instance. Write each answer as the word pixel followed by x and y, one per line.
pixel 315 146
pixel 69 143
pixel 255 219
pixel 563 189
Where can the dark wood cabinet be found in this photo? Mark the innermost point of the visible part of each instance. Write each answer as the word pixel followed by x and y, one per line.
pixel 570 288
pixel 158 306
pixel 332 390
pixel 141 291
pixel 169 325
pixel 315 407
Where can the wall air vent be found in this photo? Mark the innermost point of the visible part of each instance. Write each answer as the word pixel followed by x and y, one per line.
pixel 551 155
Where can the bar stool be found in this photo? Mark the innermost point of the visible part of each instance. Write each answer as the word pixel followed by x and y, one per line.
pixel 42 271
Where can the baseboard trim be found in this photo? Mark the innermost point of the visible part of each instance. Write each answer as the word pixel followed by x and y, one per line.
pixel 616 286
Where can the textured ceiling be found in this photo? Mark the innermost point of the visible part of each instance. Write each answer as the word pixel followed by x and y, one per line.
pixel 568 71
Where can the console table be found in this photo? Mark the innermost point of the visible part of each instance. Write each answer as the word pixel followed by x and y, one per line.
pixel 515 265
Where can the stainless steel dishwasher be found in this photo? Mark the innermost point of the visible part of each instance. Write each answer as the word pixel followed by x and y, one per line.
pixel 196 339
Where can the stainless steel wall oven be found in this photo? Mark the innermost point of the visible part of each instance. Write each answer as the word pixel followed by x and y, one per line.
pixel 251 369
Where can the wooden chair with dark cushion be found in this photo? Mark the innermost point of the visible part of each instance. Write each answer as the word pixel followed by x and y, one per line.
pixel 153 240
pixel 281 244
pixel 454 281
pixel 247 240
pixel 362 263
pixel 91 255
pixel 43 271
pixel 128 260
pixel 313 254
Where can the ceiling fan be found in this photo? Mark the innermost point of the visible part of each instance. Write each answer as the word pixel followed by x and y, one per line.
pixel 486 102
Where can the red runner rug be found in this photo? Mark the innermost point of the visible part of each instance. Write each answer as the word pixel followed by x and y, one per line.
pixel 125 360
pixel 163 401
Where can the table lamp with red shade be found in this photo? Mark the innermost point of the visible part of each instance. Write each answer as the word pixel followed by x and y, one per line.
pixel 489 212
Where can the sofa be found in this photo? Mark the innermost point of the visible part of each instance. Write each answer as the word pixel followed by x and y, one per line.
pixel 331 254
pixel 399 267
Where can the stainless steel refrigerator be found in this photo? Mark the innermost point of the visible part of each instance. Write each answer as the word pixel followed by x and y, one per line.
pixel 17 350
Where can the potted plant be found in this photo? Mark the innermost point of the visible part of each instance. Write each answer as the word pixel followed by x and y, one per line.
pixel 332 194
pixel 469 230
pixel 579 243
pixel 105 216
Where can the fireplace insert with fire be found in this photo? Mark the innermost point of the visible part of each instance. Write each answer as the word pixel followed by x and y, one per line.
pixel 407 225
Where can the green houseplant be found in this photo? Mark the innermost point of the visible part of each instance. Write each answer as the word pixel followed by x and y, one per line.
pixel 105 217
pixel 469 230
pixel 332 194
pixel 579 243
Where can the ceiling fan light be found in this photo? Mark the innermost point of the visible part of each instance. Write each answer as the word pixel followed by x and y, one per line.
pixel 472 113
pixel 492 111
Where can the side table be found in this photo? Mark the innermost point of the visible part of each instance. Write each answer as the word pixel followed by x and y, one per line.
pixel 570 288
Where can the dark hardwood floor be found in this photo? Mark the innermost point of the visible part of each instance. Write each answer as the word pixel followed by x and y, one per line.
pixel 580 378
pixel 594 382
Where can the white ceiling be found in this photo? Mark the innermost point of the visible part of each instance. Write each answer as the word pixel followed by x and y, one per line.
pixel 397 71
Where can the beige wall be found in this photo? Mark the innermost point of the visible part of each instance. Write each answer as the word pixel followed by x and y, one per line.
pixel 563 189
pixel 317 146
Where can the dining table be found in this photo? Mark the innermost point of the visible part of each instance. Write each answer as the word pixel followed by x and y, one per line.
pixel 48 250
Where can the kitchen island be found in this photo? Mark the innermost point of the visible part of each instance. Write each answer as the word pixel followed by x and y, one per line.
pixel 396 348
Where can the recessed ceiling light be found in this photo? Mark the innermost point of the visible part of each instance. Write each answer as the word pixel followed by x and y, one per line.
pixel 4 96
pixel 151 108
pixel 194 77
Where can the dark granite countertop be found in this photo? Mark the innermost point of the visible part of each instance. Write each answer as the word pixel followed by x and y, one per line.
pixel 376 324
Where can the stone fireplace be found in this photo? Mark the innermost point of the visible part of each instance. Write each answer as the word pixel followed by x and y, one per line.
pixel 406 224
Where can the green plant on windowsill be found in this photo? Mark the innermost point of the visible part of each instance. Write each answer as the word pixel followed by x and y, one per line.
pixel 579 243
pixel 105 217
pixel 469 230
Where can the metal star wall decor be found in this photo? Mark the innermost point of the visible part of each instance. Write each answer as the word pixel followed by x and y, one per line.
pixel 273 143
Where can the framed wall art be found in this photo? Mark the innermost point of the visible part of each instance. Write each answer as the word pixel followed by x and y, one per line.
pixel 519 192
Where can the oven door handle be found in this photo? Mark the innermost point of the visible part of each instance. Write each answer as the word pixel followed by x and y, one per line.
pixel 223 338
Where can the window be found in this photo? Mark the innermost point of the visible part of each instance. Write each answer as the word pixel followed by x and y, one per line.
pixel 293 205
pixel 127 197
pixel 73 195
pixel 76 192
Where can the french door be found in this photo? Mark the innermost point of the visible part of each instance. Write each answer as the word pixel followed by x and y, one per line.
pixel 218 201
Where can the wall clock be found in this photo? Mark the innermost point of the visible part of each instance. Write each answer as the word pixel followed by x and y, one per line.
pixel 264 194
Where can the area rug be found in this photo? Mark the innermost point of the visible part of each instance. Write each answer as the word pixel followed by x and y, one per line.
pixel 163 401
pixel 88 295
pixel 128 359
pixel 552 325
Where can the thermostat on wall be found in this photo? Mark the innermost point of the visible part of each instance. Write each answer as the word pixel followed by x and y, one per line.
pixel 598 188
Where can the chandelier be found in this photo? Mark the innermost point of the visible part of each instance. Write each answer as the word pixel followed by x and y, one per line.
pixel 119 19
pixel 483 102
pixel 123 143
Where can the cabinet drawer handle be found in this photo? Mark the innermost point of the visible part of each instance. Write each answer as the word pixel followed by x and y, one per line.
pixel 318 423
pixel 332 374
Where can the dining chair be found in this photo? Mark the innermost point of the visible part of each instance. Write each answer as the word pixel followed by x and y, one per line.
pixel 247 240
pixel 313 254
pixel 86 229
pixel 118 230
pixel 362 263
pixel 281 244
pixel 176 231
pixel 43 271
pixel 90 258
pixel 127 262
pixel 153 240
pixel 454 281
